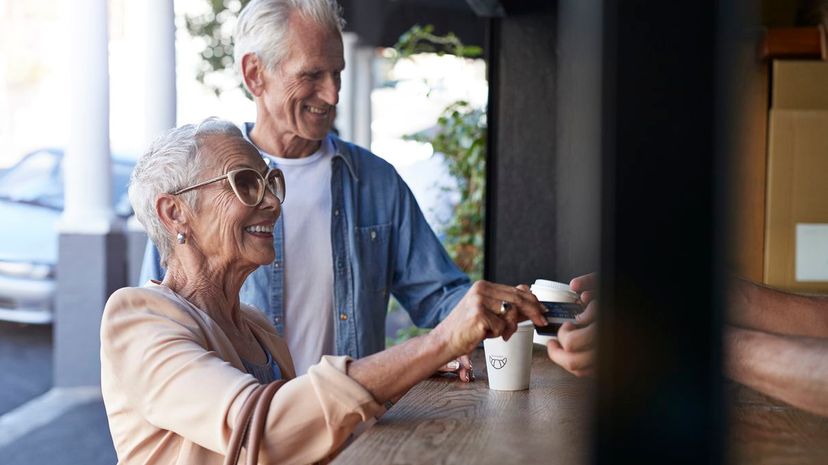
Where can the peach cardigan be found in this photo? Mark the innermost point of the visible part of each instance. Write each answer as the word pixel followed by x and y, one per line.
pixel 173 385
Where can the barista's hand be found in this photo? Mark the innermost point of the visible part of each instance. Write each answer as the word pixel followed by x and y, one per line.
pixel 586 286
pixel 575 348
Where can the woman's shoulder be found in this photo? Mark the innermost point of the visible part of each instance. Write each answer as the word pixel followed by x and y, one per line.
pixel 140 296
pixel 150 299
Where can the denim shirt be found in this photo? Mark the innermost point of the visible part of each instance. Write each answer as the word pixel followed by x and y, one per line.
pixel 381 245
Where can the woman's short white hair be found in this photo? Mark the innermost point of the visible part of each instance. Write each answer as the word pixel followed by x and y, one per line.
pixel 263 25
pixel 171 163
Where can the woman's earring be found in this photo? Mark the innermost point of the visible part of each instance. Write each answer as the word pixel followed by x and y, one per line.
pixel 181 239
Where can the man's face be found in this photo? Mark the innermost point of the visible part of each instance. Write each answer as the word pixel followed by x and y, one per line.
pixel 301 94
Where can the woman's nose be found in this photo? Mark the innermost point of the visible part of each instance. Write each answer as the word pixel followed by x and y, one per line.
pixel 270 202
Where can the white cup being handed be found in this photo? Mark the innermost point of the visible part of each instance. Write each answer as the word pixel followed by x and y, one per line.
pixel 509 363
pixel 551 291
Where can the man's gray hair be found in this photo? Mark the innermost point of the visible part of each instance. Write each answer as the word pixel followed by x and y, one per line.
pixel 263 25
pixel 171 163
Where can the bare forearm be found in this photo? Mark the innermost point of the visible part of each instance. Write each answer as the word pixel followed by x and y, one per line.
pixel 794 370
pixel 390 373
pixel 756 307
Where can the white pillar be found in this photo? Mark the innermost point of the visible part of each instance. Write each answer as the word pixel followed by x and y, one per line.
pixel 364 84
pixel 91 247
pixel 159 68
pixel 87 201
pixel 345 108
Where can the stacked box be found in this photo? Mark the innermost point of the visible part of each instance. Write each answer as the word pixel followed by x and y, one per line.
pixel 796 224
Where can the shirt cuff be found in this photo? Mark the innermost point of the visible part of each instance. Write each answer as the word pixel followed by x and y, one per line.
pixel 330 374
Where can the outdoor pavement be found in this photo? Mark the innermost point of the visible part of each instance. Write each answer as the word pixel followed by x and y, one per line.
pixel 25 363
pixel 39 426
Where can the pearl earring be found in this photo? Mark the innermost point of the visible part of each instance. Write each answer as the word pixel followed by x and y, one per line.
pixel 181 239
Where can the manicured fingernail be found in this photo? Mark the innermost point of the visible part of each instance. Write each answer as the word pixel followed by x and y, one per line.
pixel 453 365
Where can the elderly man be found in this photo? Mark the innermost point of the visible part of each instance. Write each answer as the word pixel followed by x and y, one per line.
pixel 354 231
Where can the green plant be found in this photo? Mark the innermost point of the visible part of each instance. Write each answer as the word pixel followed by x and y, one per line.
pixel 461 140
pixel 421 39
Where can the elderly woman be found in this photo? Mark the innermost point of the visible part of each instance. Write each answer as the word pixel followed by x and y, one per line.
pixel 180 357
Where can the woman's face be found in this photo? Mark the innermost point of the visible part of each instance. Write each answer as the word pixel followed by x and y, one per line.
pixel 228 233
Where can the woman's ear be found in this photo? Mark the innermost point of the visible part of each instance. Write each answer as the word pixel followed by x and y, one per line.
pixel 253 70
pixel 169 211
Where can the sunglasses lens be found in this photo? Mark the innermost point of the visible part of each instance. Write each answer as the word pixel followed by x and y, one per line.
pixel 276 184
pixel 249 186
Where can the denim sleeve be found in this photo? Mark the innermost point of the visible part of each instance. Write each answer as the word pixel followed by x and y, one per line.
pixel 151 267
pixel 425 280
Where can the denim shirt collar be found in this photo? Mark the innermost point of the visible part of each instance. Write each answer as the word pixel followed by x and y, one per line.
pixel 339 151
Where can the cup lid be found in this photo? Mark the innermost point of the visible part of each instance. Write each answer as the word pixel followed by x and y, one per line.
pixel 553 285
pixel 526 326
pixel 545 286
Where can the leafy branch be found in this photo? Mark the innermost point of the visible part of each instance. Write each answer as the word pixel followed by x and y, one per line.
pixel 421 39
pixel 461 140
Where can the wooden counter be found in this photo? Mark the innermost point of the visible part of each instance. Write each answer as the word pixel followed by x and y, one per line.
pixel 443 421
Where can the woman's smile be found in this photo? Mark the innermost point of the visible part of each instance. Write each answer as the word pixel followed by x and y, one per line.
pixel 263 230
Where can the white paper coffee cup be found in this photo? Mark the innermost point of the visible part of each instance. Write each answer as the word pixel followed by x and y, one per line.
pixel 551 291
pixel 509 363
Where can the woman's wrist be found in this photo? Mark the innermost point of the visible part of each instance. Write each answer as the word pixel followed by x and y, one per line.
pixel 438 344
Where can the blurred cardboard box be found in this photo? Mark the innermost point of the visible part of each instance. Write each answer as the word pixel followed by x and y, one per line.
pixel 750 170
pixel 796 232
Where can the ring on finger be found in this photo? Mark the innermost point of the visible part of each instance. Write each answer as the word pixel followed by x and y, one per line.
pixel 504 307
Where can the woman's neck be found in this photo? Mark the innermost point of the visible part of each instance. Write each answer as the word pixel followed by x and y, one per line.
pixel 215 292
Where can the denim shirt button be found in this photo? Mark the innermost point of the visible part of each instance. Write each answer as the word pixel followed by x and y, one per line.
pixel 276 264
pixel 373 235
pixel 343 316
pixel 336 212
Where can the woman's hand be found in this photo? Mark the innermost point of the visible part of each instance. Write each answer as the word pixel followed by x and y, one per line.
pixel 477 316
pixel 390 373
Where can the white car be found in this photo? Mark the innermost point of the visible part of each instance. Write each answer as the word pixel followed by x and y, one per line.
pixel 31 202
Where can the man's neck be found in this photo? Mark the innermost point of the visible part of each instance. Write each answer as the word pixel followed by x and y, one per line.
pixel 282 145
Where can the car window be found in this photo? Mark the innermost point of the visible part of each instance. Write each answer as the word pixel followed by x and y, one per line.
pixel 121 172
pixel 35 179
pixel 38 180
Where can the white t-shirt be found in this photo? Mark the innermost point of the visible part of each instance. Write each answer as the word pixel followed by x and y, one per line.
pixel 308 263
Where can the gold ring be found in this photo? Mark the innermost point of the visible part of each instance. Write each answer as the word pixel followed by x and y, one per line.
pixel 504 307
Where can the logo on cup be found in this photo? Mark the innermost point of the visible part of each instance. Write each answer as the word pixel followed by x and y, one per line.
pixel 497 362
